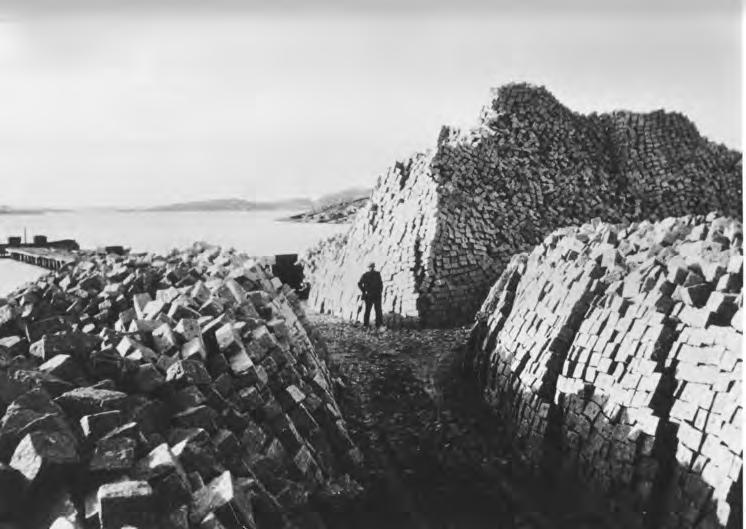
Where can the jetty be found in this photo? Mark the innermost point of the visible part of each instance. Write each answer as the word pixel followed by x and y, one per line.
pixel 50 258
pixel 51 255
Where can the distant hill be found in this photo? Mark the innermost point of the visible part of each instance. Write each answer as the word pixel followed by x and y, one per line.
pixel 318 210
pixel 336 201
pixel 345 196
pixel 233 204
pixel 8 210
pixel 335 208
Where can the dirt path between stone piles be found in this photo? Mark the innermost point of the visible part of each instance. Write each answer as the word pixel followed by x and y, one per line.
pixel 435 457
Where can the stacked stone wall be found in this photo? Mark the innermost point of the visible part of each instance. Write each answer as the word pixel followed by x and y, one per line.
pixel 395 230
pixel 498 189
pixel 615 354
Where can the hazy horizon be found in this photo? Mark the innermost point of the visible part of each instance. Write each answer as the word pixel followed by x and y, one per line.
pixel 111 104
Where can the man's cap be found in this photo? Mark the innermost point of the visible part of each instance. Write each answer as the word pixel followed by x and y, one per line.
pixel 371 264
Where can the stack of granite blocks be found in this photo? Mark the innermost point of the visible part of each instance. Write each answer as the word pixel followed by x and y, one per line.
pixel 394 230
pixel 618 354
pixel 443 225
pixel 707 359
pixel 548 306
pixel 181 391
pixel 645 403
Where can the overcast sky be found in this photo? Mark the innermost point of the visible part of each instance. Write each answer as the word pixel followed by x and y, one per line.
pixel 160 101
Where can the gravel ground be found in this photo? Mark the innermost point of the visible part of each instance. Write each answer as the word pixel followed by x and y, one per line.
pixel 434 455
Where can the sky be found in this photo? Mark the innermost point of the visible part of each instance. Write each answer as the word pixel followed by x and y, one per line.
pixel 106 103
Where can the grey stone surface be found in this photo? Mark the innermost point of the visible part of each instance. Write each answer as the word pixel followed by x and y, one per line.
pixel 591 349
pixel 442 225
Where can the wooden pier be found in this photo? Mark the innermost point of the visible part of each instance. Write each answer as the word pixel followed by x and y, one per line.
pixel 49 258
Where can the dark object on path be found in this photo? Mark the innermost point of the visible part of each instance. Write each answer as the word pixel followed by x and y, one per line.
pixel 289 271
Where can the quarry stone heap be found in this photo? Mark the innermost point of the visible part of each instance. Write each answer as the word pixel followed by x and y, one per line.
pixel 444 224
pixel 175 392
pixel 616 355
pixel 395 231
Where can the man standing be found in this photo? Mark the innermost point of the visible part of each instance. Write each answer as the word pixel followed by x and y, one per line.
pixel 371 286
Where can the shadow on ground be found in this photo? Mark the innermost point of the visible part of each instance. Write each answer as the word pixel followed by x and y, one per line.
pixel 435 455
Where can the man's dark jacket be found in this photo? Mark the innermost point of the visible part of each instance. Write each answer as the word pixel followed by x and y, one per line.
pixel 371 285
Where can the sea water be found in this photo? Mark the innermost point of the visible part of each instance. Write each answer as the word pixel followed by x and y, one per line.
pixel 256 233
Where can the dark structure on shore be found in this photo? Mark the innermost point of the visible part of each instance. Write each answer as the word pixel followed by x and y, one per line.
pixel 52 255
pixel 39 241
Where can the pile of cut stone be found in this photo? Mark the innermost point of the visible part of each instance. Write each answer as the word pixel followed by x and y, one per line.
pixel 180 391
pixel 442 225
pixel 616 354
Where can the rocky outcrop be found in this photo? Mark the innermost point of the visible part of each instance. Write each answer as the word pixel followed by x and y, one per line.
pixel 182 391
pixel 442 225
pixel 616 355
pixel 337 213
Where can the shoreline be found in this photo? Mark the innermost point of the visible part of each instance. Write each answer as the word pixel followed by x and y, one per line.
pixel 261 233
pixel 15 274
pixel 302 220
